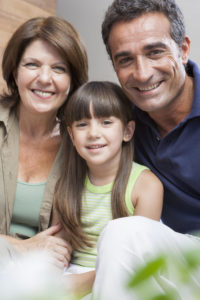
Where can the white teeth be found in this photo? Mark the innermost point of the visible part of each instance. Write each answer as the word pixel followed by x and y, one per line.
pixel 149 87
pixel 42 93
pixel 95 146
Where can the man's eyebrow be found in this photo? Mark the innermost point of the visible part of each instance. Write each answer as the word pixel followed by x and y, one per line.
pixel 147 47
pixel 155 45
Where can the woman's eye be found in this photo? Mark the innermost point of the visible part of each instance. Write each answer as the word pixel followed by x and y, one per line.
pixel 59 69
pixel 30 65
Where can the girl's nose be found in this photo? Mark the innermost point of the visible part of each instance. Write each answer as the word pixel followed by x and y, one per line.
pixel 94 130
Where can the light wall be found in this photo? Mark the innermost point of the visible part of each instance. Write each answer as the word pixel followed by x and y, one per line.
pixel 87 16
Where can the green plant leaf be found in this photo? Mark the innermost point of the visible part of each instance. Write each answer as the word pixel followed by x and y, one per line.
pixel 150 269
pixel 193 258
pixel 163 297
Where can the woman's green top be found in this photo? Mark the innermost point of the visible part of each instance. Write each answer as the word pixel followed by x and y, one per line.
pixel 26 210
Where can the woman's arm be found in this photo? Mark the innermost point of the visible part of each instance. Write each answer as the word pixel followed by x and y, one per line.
pixel 58 248
pixel 147 196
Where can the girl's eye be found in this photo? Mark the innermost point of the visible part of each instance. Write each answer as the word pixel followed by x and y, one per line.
pixel 107 122
pixel 81 124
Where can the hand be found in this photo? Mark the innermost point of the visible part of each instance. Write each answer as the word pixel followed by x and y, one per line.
pixel 58 249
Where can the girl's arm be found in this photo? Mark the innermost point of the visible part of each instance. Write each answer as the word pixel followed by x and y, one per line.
pixel 147 196
pixel 79 284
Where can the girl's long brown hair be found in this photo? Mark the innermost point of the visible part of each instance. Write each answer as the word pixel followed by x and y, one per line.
pixel 107 100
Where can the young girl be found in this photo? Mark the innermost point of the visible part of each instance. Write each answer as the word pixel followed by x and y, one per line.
pixel 100 181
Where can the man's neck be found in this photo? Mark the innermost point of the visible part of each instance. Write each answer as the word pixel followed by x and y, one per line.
pixel 171 116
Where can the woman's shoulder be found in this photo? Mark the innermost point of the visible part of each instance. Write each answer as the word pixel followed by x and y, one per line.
pixel 4 112
pixel 6 109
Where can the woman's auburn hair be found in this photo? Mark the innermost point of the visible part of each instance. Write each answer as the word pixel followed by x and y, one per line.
pixel 107 99
pixel 62 36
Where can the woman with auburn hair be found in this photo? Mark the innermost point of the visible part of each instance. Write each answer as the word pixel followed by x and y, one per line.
pixel 44 62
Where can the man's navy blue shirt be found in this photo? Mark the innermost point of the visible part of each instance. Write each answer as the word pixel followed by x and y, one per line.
pixel 175 159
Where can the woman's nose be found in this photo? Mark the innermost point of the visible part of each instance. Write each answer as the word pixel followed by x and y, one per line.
pixel 45 74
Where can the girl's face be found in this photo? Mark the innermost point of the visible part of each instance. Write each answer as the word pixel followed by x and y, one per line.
pixel 99 140
pixel 42 78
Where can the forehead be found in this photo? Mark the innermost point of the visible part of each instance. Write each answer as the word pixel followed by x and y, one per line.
pixel 41 48
pixel 146 29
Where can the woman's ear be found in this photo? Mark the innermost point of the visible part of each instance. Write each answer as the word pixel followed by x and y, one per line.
pixel 15 76
pixel 129 131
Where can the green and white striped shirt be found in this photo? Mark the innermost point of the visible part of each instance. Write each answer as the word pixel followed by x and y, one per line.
pixel 96 212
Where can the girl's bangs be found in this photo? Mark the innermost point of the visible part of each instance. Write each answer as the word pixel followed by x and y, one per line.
pixel 98 100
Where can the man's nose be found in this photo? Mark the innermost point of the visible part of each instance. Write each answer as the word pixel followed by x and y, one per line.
pixel 142 70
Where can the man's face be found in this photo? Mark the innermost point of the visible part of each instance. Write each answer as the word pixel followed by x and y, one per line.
pixel 148 62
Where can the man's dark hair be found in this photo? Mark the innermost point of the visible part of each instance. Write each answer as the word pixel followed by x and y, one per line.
pixel 127 10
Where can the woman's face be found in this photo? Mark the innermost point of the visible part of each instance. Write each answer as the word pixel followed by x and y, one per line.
pixel 42 78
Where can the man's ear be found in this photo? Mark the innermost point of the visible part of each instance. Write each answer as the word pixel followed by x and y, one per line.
pixel 129 131
pixel 185 50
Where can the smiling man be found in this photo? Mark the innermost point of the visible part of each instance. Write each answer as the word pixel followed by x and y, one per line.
pixel 147 44
pixel 149 49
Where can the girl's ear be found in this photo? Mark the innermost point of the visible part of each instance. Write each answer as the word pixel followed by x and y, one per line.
pixel 129 131
pixel 70 133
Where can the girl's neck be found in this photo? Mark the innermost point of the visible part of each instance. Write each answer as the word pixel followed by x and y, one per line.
pixel 102 175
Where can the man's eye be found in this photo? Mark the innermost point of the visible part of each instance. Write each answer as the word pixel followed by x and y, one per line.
pixel 124 61
pixel 156 53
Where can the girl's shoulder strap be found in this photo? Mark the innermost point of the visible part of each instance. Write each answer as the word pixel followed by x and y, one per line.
pixel 97 189
pixel 135 172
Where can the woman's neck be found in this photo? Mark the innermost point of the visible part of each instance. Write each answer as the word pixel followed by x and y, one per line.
pixel 37 125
